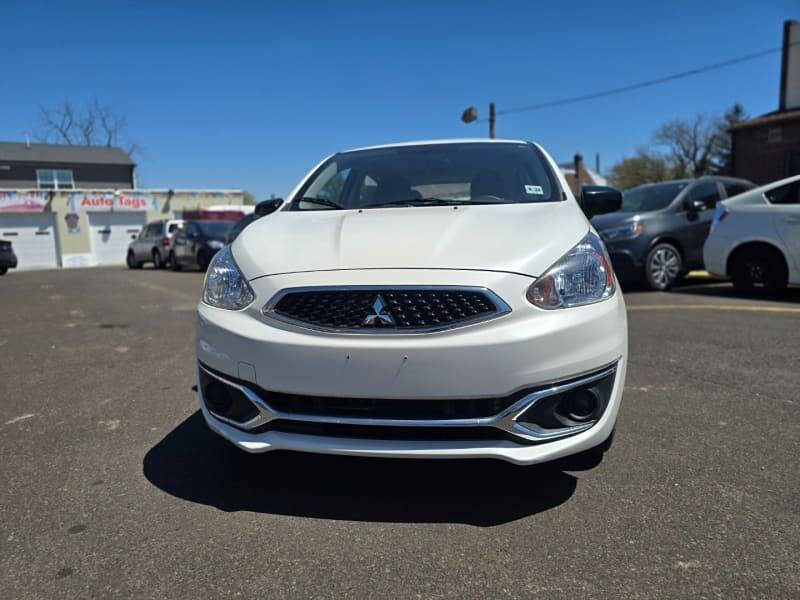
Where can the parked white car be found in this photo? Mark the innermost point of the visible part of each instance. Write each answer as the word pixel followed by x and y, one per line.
pixel 755 237
pixel 434 299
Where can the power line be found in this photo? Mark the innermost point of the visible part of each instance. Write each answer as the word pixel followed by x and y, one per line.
pixel 641 84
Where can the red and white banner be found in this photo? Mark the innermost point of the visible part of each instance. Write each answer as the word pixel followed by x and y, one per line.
pixel 23 201
pixel 110 201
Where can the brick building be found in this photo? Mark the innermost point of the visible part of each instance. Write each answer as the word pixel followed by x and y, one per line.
pixel 767 147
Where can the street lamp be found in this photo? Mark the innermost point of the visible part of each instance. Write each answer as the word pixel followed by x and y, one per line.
pixel 471 114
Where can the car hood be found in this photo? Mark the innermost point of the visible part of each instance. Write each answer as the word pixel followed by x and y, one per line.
pixel 516 238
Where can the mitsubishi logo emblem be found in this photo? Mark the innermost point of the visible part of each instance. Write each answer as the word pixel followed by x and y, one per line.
pixel 378 314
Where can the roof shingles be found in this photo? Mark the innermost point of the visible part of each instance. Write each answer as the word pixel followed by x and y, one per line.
pixel 63 153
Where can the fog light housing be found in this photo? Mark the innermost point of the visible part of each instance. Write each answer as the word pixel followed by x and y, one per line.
pixel 581 405
pixel 573 405
pixel 224 400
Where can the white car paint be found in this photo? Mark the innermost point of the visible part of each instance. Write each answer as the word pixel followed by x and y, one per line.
pixel 513 238
pixel 752 218
pixel 503 248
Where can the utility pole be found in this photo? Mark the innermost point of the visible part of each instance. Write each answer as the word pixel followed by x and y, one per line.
pixel 471 114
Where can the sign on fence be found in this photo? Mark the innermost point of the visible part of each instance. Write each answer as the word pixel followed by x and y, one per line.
pixel 23 201
pixel 110 201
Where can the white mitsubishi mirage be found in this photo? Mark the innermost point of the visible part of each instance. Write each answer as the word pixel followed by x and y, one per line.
pixel 443 299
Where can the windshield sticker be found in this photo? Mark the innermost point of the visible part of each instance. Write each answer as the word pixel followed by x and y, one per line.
pixel 534 189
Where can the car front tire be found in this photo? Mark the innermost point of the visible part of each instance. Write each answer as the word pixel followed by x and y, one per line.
pixel 3 270
pixel 758 270
pixel 158 263
pixel 132 262
pixel 173 263
pixel 202 261
pixel 663 266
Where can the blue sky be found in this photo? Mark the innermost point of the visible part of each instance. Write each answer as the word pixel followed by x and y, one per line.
pixel 251 95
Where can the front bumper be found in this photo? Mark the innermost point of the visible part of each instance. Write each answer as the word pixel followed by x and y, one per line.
pixel 627 257
pixel 715 254
pixel 524 349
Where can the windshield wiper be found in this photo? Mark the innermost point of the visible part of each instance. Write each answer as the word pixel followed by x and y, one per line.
pixel 426 202
pixel 320 202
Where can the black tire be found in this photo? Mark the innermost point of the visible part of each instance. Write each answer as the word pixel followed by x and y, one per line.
pixel 758 270
pixel 202 261
pixel 663 266
pixel 158 262
pixel 3 270
pixel 173 263
pixel 132 262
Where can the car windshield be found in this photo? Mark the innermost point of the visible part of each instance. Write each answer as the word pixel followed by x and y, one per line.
pixel 215 228
pixel 649 197
pixel 430 175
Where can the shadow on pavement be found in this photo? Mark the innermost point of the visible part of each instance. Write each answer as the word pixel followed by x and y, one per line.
pixel 194 464
pixel 715 288
pixel 726 290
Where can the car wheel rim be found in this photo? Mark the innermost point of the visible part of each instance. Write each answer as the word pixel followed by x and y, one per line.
pixel 664 266
pixel 756 272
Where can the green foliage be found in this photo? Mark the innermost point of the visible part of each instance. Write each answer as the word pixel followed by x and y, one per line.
pixel 643 167
pixel 248 198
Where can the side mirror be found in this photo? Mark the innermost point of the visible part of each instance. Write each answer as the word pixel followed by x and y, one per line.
pixel 599 200
pixel 697 206
pixel 267 207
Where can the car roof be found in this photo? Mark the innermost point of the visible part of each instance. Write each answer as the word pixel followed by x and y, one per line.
pixel 437 142
pixel 689 181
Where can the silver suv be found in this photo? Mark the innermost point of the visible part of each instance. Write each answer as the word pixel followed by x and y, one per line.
pixel 152 244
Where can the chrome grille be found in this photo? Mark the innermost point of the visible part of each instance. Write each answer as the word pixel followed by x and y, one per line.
pixel 385 309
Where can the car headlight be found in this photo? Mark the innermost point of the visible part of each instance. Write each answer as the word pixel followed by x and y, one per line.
pixel 224 286
pixel 215 244
pixel 625 232
pixel 582 276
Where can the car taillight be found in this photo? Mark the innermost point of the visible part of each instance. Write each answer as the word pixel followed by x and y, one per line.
pixel 719 215
pixel 165 241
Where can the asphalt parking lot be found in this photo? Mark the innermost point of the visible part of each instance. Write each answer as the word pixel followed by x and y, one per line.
pixel 112 486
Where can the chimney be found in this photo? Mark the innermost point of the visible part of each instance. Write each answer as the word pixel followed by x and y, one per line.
pixel 578 167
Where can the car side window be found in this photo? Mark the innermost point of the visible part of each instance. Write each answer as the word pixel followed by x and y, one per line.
pixel 333 188
pixel 785 194
pixel 733 189
pixel 367 191
pixel 707 193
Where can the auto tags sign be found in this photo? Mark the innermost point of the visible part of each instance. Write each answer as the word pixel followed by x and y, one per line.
pixel 112 201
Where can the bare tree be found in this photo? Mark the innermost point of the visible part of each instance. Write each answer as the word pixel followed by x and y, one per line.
pixel 691 145
pixel 94 125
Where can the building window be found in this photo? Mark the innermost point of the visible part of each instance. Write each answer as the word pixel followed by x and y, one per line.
pixel 54 179
pixel 774 135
